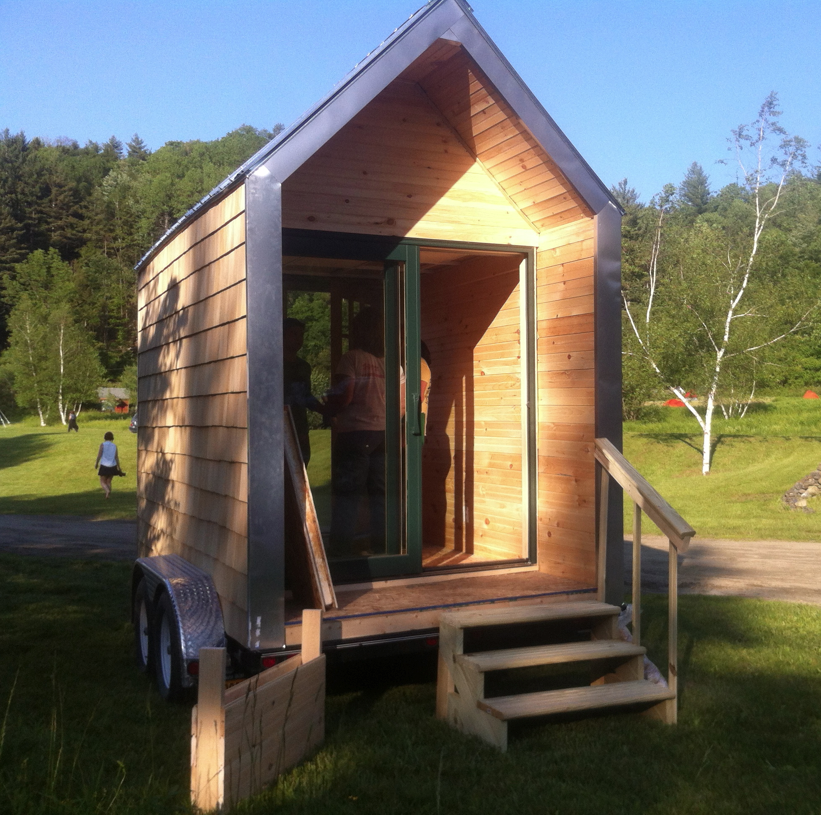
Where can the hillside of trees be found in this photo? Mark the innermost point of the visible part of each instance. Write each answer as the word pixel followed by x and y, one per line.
pixel 720 286
pixel 73 223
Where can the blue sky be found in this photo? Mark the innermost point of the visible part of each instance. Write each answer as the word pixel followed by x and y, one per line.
pixel 641 88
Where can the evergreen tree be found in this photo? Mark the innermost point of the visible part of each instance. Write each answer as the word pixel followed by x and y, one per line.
pixel 694 191
pixel 137 149
pixel 19 185
pixel 114 147
pixel 106 305
pixel 627 196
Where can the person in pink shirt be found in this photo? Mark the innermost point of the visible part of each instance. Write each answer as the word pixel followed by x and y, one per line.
pixel 357 402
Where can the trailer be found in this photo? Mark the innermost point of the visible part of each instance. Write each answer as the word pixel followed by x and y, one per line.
pixel 428 202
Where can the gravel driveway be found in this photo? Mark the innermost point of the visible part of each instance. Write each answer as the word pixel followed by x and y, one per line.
pixel 68 535
pixel 772 570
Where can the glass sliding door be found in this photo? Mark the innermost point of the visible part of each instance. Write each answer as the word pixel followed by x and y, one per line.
pixel 413 465
pixel 346 367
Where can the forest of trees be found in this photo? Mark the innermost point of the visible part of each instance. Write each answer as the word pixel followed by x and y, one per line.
pixel 73 223
pixel 720 286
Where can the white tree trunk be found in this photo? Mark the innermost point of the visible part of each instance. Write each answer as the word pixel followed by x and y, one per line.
pixel 61 350
pixel 707 433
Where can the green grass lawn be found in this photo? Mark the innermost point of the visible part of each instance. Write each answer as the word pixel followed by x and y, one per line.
pixel 81 731
pixel 756 460
pixel 46 470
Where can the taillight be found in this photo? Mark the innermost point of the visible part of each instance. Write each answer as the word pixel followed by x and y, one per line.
pixel 194 667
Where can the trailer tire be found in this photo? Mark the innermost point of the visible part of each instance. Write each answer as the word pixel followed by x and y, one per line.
pixel 141 615
pixel 167 651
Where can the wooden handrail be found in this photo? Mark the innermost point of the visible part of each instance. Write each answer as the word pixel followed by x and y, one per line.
pixel 674 527
pixel 678 532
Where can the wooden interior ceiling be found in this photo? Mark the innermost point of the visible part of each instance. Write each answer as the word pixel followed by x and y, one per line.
pixel 491 131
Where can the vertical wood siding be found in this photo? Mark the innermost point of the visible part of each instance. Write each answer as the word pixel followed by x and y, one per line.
pixel 566 400
pixel 193 447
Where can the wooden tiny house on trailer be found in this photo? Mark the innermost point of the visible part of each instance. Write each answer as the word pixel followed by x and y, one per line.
pixel 432 191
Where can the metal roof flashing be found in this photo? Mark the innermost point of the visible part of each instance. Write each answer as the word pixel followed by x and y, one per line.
pixel 451 19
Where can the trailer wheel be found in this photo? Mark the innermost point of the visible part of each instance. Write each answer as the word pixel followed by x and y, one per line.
pixel 142 627
pixel 167 651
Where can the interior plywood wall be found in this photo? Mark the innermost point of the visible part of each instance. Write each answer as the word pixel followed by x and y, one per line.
pixel 192 459
pixel 565 290
pixel 472 460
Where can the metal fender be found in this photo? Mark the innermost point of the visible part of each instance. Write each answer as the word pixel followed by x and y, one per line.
pixel 195 601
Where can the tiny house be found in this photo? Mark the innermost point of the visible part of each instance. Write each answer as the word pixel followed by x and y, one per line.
pixel 431 193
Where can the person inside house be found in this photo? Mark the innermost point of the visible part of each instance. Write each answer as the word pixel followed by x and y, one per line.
pixel 357 403
pixel 297 383
pixel 424 387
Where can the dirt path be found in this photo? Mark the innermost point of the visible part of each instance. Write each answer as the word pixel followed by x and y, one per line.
pixel 68 535
pixel 772 570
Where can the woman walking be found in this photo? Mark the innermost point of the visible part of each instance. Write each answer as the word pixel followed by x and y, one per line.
pixel 108 461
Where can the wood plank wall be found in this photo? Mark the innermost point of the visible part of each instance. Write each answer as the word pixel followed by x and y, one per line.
pixel 472 459
pixel 566 382
pixel 192 442
pixel 492 131
pixel 398 168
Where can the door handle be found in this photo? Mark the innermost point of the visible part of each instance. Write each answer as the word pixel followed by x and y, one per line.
pixel 416 423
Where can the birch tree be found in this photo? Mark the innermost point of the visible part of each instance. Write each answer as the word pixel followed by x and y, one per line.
pixel 51 358
pixel 719 314
pixel 26 360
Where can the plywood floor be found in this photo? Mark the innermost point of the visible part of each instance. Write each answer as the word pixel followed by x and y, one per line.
pixel 391 597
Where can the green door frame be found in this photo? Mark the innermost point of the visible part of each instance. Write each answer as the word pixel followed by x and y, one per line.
pixel 393 252
pixel 395 562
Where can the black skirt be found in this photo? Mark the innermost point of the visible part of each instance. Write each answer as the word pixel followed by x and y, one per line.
pixel 108 470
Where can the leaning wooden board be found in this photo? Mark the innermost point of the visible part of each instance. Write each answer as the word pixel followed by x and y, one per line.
pixel 311 554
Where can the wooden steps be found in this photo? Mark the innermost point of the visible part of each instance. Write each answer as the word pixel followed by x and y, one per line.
pixel 575 700
pixel 595 669
pixel 508 615
pixel 511 658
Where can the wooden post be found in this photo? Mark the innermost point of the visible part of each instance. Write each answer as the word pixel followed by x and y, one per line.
pixel 672 633
pixel 601 561
pixel 208 733
pixel 311 634
pixel 636 574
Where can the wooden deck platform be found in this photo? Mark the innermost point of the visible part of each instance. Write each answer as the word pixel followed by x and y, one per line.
pixel 414 604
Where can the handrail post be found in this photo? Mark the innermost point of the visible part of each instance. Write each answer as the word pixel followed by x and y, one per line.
pixel 672 629
pixel 601 561
pixel 636 574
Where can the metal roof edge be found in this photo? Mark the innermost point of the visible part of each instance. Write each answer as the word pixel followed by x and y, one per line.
pixel 481 46
pixel 265 153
